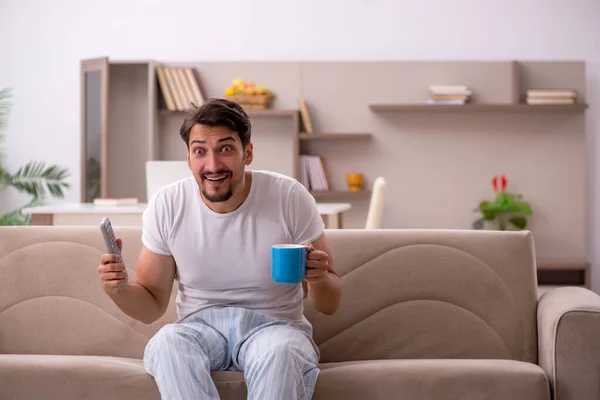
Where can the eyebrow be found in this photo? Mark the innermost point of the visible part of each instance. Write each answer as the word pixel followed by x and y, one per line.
pixel 228 138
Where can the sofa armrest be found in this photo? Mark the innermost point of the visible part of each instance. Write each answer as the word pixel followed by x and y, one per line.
pixel 569 342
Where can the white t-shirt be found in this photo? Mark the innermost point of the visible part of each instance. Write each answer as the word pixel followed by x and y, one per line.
pixel 225 259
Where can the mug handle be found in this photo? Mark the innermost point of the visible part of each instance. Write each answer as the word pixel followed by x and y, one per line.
pixel 308 251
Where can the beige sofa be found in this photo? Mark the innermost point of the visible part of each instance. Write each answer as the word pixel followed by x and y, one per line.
pixel 425 314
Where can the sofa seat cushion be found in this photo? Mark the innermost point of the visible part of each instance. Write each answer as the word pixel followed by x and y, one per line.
pixel 97 377
pixel 432 379
pixel 74 377
pixel 91 377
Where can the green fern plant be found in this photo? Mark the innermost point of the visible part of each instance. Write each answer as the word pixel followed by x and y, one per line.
pixel 35 178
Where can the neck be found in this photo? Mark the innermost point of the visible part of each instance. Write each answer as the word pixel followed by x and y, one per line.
pixel 236 200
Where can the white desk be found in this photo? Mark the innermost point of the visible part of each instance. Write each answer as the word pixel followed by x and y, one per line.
pixel 90 214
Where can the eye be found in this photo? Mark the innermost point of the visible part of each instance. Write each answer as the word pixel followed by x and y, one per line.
pixel 198 151
pixel 227 148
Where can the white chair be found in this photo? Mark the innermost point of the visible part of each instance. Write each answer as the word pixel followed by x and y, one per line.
pixel 375 213
pixel 163 173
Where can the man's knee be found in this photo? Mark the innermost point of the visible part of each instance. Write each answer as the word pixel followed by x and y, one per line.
pixel 170 333
pixel 168 338
pixel 286 344
pixel 282 349
pixel 159 342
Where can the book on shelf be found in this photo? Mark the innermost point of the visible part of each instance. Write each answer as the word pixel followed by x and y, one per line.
pixel 306 120
pixel 114 201
pixel 449 94
pixel 446 102
pixel 179 87
pixel 551 96
pixel 312 173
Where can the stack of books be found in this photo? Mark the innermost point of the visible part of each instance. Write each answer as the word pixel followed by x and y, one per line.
pixel 180 88
pixel 551 96
pixel 449 94
pixel 312 173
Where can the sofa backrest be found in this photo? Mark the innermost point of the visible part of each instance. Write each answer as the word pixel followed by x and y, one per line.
pixel 406 294
pixel 51 299
pixel 431 294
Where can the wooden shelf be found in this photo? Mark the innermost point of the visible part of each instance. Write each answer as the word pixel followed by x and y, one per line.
pixel 251 113
pixel 563 272
pixel 479 108
pixel 272 113
pixel 333 136
pixel 340 194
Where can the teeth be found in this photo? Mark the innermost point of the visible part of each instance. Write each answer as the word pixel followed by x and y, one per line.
pixel 216 178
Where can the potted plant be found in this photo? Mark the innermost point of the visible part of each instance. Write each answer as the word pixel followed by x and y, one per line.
pixel 507 210
pixel 34 178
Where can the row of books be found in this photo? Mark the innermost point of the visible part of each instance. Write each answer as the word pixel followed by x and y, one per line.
pixel 449 94
pixel 179 88
pixel 551 96
pixel 312 173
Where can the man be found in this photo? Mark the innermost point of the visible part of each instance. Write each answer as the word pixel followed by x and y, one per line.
pixel 213 232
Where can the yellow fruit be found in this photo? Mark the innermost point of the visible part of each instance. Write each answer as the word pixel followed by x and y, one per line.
pixel 261 90
pixel 237 82
pixel 250 90
pixel 229 91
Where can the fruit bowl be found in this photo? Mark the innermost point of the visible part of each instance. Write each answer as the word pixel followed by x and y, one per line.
pixel 248 95
pixel 252 102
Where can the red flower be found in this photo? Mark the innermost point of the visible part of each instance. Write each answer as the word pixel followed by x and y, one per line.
pixel 499 183
pixel 503 182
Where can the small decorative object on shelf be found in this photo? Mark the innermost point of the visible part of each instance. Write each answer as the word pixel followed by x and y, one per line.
pixel 355 181
pixel 507 208
pixel 248 95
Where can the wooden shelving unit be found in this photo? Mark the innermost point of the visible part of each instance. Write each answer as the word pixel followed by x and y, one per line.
pixel 122 102
pixel 340 194
pixel 334 136
pixel 479 108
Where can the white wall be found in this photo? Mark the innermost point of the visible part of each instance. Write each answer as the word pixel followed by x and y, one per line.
pixel 42 42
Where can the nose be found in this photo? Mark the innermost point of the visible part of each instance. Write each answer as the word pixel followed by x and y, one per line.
pixel 213 162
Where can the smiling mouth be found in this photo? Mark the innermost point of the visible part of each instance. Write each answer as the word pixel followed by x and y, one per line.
pixel 216 178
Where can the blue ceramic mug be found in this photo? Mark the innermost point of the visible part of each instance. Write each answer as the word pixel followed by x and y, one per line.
pixel 288 263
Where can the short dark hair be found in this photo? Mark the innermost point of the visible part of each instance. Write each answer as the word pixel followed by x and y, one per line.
pixel 218 112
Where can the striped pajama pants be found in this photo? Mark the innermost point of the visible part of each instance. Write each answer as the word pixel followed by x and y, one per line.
pixel 278 357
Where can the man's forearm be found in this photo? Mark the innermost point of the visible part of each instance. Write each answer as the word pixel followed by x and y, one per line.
pixel 324 295
pixel 137 302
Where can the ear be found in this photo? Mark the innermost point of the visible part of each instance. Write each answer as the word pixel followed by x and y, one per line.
pixel 249 153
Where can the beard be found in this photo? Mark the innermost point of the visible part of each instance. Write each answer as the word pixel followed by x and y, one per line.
pixel 219 196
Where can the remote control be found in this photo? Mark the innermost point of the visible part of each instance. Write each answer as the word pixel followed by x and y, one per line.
pixel 110 240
